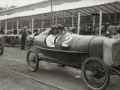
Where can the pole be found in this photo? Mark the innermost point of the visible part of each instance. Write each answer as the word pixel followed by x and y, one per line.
pixel 17 26
pixel 100 23
pixel 51 14
pixel 115 12
pixel 6 28
pixel 21 24
pixel 93 20
pixel 42 22
pixel 32 24
pixel 72 21
pixel 78 31
pixel 56 19
pixel 12 26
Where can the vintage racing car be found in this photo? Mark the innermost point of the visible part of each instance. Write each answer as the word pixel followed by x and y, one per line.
pixel 97 57
pixel 11 39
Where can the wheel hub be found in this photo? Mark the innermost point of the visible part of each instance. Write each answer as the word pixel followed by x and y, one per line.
pixel 98 73
pixel 33 59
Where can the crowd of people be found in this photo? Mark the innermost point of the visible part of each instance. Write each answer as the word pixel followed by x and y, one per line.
pixel 58 30
pixel 106 30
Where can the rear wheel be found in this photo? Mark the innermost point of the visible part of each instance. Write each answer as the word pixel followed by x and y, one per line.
pixel 1 49
pixel 95 73
pixel 32 60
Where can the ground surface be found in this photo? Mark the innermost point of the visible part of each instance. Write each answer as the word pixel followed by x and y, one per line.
pixel 67 78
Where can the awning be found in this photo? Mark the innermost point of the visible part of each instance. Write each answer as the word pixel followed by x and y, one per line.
pixel 85 7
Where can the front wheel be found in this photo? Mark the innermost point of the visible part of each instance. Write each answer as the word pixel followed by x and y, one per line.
pixel 95 73
pixel 32 60
pixel 1 49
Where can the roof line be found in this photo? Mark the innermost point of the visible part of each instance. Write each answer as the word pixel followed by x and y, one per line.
pixel 93 6
pixel 21 6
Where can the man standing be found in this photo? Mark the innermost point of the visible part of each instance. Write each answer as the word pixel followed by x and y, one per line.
pixel 23 39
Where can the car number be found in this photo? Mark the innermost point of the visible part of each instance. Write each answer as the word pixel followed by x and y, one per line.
pixel 68 39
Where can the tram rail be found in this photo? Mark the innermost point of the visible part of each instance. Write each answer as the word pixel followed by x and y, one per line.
pixel 26 76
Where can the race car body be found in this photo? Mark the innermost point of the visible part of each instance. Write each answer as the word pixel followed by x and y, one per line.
pixel 97 56
pixel 77 45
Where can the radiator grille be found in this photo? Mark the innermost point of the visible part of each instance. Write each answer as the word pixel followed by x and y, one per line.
pixel 116 53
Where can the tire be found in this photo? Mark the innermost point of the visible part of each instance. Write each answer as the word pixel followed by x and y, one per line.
pixel 28 46
pixel 98 73
pixel 1 49
pixel 32 62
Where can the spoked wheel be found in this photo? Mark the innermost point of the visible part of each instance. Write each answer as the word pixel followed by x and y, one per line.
pixel 32 60
pixel 1 49
pixel 28 45
pixel 95 73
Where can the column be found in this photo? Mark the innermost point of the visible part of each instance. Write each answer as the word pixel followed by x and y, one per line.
pixel 100 23
pixel 32 25
pixel 5 27
pixel 56 19
pixel 21 24
pixel 72 21
pixel 78 31
pixel 93 20
pixel 115 12
pixel 42 22
pixel 12 26
pixel 17 27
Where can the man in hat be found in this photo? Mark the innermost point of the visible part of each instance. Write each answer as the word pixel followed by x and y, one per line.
pixel 23 39
pixel 52 34
pixel 61 31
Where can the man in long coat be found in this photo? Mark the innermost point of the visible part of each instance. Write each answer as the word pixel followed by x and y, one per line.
pixel 23 39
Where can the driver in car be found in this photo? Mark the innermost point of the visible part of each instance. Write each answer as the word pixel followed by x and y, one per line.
pixel 61 31
pixel 52 34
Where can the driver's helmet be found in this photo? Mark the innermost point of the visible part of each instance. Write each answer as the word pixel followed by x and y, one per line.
pixel 54 27
pixel 60 27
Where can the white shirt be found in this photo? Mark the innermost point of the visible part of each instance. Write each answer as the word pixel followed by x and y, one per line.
pixel 50 40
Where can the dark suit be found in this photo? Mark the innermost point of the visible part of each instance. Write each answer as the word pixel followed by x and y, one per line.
pixel 23 40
